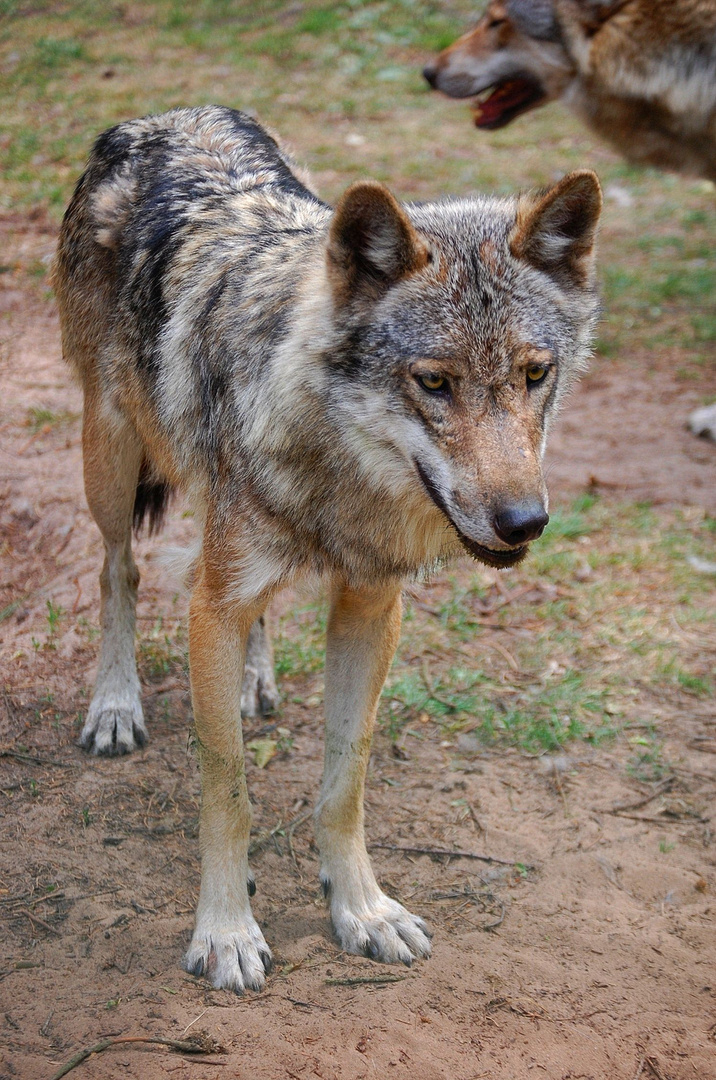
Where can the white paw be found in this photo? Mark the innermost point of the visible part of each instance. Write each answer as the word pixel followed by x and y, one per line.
pixel 259 693
pixel 114 726
pixel 382 930
pixel 702 422
pixel 231 959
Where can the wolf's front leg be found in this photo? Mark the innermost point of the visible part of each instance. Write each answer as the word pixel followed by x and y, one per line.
pixel 227 945
pixel 363 634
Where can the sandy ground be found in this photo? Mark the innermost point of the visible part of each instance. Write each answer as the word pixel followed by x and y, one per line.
pixel 593 958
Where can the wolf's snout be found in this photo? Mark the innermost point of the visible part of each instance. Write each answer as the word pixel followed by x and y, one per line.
pixel 520 522
pixel 430 74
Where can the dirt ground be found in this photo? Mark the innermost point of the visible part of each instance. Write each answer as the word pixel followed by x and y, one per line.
pixel 585 954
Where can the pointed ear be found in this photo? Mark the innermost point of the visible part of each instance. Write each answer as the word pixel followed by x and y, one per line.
pixel 372 243
pixel 555 230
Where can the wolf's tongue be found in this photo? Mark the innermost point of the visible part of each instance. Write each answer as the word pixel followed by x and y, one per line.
pixel 505 99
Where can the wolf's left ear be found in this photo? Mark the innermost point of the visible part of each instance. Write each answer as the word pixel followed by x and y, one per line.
pixel 372 243
pixel 555 230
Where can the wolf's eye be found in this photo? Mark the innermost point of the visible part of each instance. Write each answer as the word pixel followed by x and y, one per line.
pixel 432 383
pixel 536 373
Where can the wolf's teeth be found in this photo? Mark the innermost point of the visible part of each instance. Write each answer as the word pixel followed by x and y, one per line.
pixel 483 95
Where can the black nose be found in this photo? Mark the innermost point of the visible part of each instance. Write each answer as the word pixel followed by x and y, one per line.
pixel 521 522
pixel 430 74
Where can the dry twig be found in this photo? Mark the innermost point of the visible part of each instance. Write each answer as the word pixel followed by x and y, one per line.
pixel 451 854
pixel 36 919
pixel 619 808
pixel 494 925
pixel 639 1069
pixel 7 751
pixel 358 980
pixel 653 1065
pixel 268 835
pixel 195 1044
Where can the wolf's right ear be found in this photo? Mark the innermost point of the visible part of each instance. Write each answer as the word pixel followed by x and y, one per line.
pixel 555 230
pixel 371 244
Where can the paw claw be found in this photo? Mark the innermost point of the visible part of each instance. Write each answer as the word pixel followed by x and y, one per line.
pixel 233 959
pixel 114 727
pixel 386 931
pixel 197 968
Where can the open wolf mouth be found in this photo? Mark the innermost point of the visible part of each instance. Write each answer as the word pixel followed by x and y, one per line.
pixel 495 106
pixel 499 559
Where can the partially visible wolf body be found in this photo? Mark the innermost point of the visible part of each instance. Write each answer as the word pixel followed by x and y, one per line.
pixel 641 73
pixel 359 393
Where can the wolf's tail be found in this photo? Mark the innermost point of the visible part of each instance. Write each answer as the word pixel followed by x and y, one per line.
pixel 151 500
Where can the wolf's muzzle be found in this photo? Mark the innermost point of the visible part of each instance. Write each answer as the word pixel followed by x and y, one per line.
pixel 491 556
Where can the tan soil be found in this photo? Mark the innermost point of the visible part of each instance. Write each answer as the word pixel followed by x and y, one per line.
pixel 597 963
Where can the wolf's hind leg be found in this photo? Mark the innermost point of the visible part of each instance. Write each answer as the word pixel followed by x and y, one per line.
pixel 363 633
pixel 112 458
pixel 259 693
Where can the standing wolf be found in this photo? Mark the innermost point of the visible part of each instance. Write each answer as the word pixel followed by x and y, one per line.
pixel 641 73
pixel 358 393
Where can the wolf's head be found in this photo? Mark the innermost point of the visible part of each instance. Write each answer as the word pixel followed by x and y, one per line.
pixel 512 61
pixel 459 327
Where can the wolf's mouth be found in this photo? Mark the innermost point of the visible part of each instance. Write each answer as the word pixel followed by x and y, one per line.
pixel 496 105
pixel 499 559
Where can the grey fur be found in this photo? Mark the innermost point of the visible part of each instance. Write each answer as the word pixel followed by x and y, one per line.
pixel 205 337
pixel 536 18
pixel 358 393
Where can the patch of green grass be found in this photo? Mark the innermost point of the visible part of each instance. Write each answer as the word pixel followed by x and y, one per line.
pixel 538 714
pixel 647 763
pixel 572 523
pixel 39 417
pixel 54 614
pixel 300 649
pixel 695 684
pixel 53 53
pixel 320 21
pixel 704 327
pixel 542 682
pixel 162 651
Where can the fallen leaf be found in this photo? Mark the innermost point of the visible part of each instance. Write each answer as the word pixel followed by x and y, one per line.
pixel 263 750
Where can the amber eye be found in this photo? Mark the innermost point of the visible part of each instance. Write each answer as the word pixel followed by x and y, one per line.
pixel 432 383
pixel 536 373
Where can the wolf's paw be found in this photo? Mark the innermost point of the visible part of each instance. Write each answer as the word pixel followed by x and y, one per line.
pixel 114 727
pixel 230 959
pixel 259 693
pixel 383 930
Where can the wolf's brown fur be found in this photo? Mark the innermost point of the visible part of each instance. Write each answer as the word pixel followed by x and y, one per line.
pixel 357 393
pixel 642 73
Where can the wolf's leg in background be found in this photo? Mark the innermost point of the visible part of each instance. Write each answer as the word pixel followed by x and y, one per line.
pixel 227 945
pixel 112 458
pixel 259 693
pixel 363 633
